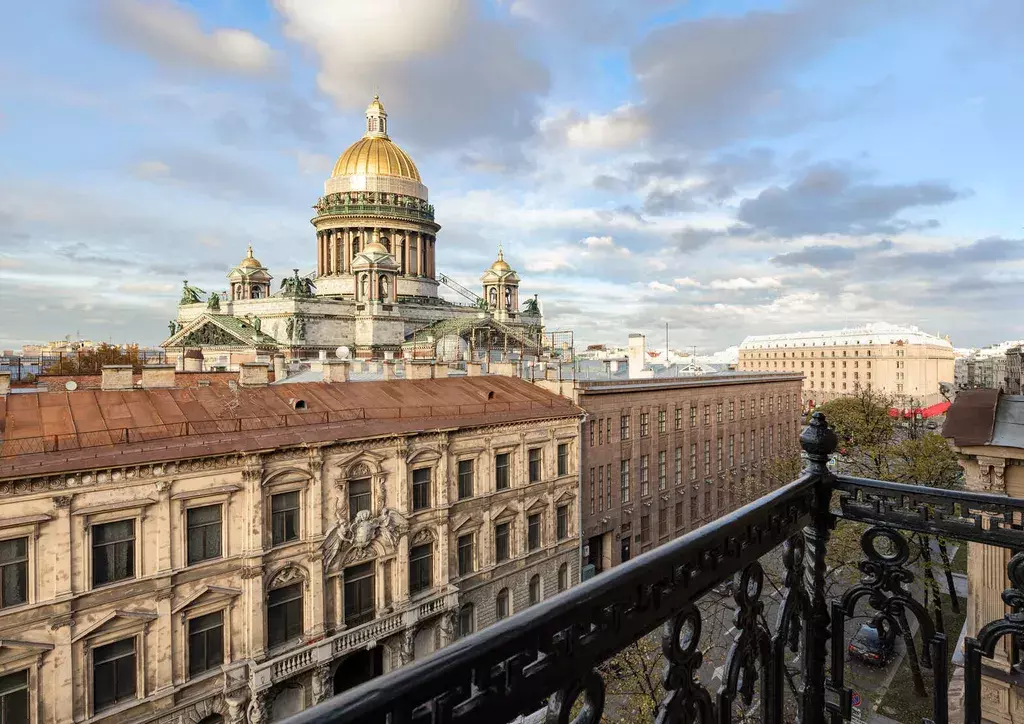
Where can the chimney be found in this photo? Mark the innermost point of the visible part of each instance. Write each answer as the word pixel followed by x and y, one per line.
pixel 335 370
pixel 116 377
pixel 505 369
pixel 419 369
pixel 193 361
pixel 5 383
pixel 253 374
pixel 474 369
pixel 441 370
pixel 389 369
pixel 280 370
pixel 637 354
pixel 157 376
pixel 553 372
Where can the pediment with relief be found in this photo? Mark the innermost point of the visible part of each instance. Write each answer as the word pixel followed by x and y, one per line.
pixel 14 648
pixel 567 496
pixel 536 505
pixel 466 522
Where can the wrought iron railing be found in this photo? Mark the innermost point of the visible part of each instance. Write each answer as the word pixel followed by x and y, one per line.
pixel 396 210
pixel 792 668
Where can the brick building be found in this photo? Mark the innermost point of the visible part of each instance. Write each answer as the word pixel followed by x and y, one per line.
pixel 663 456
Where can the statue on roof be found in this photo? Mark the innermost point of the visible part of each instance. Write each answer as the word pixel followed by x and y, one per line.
pixel 530 306
pixel 190 294
pixel 213 303
pixel 296 286
pixel 173 327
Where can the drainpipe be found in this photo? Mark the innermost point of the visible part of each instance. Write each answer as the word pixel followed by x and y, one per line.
pixel 579 497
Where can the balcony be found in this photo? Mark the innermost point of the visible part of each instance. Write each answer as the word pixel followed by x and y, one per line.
pixel 786 657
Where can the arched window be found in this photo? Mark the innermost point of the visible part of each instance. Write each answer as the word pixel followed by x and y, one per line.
pixel 534 589
pixel 501 604
pixel 465 620
pixel 563 576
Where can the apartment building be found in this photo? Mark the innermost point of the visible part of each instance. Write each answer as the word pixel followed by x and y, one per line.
pixel 238 553
pixel 663 456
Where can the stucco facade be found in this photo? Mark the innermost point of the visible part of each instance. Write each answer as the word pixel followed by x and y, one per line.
pixel 253 575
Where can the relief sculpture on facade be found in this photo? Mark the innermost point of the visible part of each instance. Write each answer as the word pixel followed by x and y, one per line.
pixel 359 533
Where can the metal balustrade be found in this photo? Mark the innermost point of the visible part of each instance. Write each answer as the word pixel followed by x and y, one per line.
pixel 792 667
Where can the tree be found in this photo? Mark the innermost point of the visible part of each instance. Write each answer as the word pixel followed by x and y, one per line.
pixel 89 361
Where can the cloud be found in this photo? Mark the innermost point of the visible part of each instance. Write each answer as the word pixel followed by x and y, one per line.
pixel 822 256
pixel 829 199
pixel 984 252
pixel 217 174
pixel 711 79
pixel 623 127
pixel 172 36
pixel 660 287
pixel 738 283
pixel 449 75
pixel 685 282
pixel 315 164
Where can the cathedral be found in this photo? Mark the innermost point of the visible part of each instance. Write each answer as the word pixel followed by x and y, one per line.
pixel 374 291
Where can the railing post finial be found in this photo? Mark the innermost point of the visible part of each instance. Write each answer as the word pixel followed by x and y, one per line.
pixel 818 441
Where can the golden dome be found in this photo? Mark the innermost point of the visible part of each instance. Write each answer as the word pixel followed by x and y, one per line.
pixel 250 262
pixel 500 265
pixel 377 156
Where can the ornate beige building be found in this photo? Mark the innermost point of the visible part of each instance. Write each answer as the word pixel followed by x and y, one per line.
pixel 375 284
pixel 983 427
pixel 238 553
pixel 900 361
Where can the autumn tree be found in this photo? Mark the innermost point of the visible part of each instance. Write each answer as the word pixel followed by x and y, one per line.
pixel 90 360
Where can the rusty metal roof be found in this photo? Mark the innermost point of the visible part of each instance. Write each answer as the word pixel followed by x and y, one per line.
pixel 971 418
pixel 59 431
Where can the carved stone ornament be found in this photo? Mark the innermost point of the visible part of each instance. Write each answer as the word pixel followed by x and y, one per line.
pixel 62 501
pixel 360 533
pixel 359 470
pixel 236 702
pixel 424 535
pixel 287 575
pixel 59 623
pixel 252 571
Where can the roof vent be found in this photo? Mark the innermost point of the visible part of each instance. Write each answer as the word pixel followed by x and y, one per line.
pixel 297 404
pixel 490 394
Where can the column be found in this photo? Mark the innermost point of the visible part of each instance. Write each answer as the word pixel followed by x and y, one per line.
pixel 433 259
pixel 253 611
pixel 319 254
pixel 423 255
pixel 63 584
pixel 165 641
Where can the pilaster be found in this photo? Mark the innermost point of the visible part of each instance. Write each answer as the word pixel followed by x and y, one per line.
pixel 62 578
pixel 165 649
pixel 316 522
pixel 60 705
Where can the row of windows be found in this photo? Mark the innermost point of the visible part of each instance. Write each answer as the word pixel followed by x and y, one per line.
pixel 774 355
pixel 601 428
pixel 601 482
pixel 503 601
pixel 467 544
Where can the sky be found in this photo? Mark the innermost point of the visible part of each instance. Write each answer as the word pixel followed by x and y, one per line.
pixel 726 167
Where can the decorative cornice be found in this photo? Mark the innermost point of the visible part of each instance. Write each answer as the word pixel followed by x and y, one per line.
pixel 61 622
pixel 62 502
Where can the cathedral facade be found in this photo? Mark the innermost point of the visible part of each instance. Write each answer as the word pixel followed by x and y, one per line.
pixel 375 286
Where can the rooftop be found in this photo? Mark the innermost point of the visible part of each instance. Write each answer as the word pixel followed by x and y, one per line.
pixel 875 333
pixel 986 417
pixel 64 431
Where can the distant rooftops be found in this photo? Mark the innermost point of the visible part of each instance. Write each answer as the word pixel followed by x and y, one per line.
pixel 868 334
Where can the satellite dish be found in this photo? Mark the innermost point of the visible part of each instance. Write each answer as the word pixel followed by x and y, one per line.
pixel 70 385
pixel 343 353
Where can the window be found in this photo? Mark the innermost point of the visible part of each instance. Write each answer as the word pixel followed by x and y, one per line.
pixel 535 459
pixel 694 513
pixel 534 589
pixel 732 410
pixel 693 461
pixel 501 604
pixel 770 403
pixel 661 421
pixel 563 576
pixel 501 542
pixel 663 521
pixel 465 479
pixel 563 458
pixel 562 518
pixel 359 604
pixel 465 620
pixel 624 481
pixel 753 408
pixel 14 698
pixel 707 457
pixel 204 531
pixel 114 673
pixel 645 424
pixel 661 470
pixel 600 488
pixel 608 489
pixel 707 414
pixel 645 528
pixel 465 554
pixel 205 642
pixel 732 450
pixel 743 449
pixel 533 532
pixel 718 412
pixel 608 429
pixel 420 488
pixel 679 514
pixel 624 427
pixel 693 415
pixel 13 574
pixel 743 410
pixel 593 492
pixel 502 471
pixel 600 432
pixel 421 567
pixel 593 424
pixel 679 466
pixel 113 552
pixel 761 407
pixel 762 443
pixel 707 503
pixel 721 460
pixel 645 487
pixel 679 418
pixel 358 497
pixel 284 517
pixel 284 614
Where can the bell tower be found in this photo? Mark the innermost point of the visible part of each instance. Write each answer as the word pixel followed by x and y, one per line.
pixel 501 289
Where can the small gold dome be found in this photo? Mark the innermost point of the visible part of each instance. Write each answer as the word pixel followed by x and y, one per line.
pixel 377 156
pixel 500 265
pixel 250 262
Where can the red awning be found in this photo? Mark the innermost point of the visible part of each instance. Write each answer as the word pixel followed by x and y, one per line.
pixel 939 408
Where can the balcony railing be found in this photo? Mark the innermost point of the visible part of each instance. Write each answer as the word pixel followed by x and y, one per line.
pixel 788 666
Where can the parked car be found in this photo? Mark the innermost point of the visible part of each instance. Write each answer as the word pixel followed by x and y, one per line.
pixel 874 643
